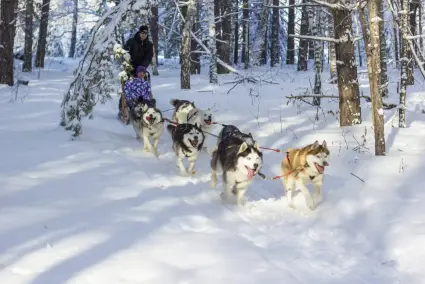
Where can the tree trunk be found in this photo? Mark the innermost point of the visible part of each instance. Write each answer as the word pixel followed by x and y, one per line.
pixel 154 34
pixel 383 52
pixel 74 30
pixel 8 15
pixel 372 44
pixel 290 45
pixel 195 58
pixel 396 43
pixel 224 45
pixel 359 48
pixel 42 34
pixel 317 56
pixel 236 48
pixel 275 46
pixel 29 13
pixel 332 51
pixel 264 30
pixel 245 32
pixel 421 40
pixel 303 47
pixel 185 45
pixel 410 66
pixel 348 87
pixel 404 20
pixel 212 42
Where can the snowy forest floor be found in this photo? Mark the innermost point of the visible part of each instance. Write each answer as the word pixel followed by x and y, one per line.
pixel 99 210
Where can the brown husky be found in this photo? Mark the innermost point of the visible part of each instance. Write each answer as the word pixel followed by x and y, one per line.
pixel 302 166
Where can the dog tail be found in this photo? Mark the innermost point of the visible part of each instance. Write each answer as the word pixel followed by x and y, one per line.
pixel 174 102
pixel 171 128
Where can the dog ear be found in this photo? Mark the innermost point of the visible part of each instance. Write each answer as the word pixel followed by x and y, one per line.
pixel 315 144
pixel 256 146
pixel 197 125
pixel 242 148
pixel 324 144
pixel 250 134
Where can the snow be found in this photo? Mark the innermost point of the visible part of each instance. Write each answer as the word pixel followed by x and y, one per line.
pixel 99 210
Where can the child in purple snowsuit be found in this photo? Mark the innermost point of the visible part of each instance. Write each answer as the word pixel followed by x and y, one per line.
pixel 137 89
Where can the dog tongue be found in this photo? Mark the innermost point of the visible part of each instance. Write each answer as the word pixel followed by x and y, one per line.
pixel 320 168
pixel 148 118
pixel 251 173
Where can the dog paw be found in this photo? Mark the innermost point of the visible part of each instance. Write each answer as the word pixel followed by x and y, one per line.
pixel 311 205
pixel 193 172
pixel 183 173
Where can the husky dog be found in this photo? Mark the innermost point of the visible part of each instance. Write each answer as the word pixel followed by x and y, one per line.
pixel 187 143
pixel 302 166
pixel 181 110
pixel 147 122
pixel 232 131
pixel 202 118
pixel 239 163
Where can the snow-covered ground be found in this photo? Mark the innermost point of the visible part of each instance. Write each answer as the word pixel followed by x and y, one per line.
pixel 99 210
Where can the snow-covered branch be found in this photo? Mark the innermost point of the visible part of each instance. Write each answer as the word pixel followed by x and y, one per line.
pixel 318 38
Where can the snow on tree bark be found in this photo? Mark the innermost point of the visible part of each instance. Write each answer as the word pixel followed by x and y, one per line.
pixel 263 29
pixel 223 46
pixel 290 45
pixel 348 86
pixel 29 13
pixel 212 42
pixel 275 45
pixel 404 21
pixel 155 38
pixel 372 42
pixel 383 45
pixel 7 34
pixel 316 31
pixel 42 34
pixel 236 34
pixel 195 58
pixel 185 45
pixel 245 35
pixel 332 51
pixel 74 30
pixel 303 46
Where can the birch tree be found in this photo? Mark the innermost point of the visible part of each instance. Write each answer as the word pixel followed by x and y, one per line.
pixel 74 30
pixel 212 42
pixel 404 60
pixel 245 35
pixel 383 51
pixel 303 45
pixel 332 56
pixel 316 31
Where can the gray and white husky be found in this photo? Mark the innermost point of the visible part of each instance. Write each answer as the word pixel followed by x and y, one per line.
pixel 148 123
pixel 188 140
pixel 239 162
pixel 181 110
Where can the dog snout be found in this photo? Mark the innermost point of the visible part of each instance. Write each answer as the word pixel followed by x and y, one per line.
pixel 195 137
pixel 255 166
pixel 325 164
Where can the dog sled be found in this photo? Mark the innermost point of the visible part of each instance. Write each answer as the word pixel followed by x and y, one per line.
pixel 123 113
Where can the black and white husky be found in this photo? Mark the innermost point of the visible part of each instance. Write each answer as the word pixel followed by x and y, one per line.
pixel 187 143
pixel 239 162
pixel 148 123
pixel 181 110
pixel 232 131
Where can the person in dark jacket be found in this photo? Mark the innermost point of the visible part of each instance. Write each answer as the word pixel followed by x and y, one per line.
pixel 140 49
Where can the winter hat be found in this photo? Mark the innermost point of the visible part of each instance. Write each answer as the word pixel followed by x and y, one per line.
pixel 143 28
pixel 140 69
